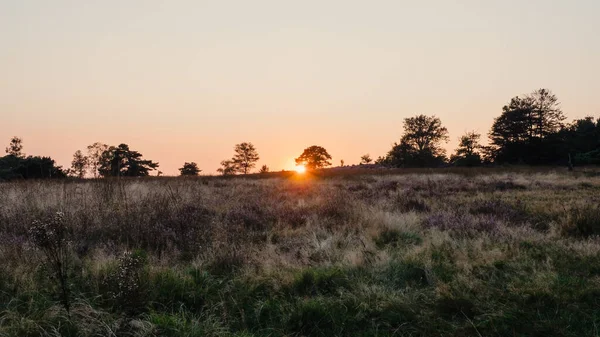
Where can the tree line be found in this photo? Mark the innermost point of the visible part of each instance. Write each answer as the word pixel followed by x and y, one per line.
pixel 530 130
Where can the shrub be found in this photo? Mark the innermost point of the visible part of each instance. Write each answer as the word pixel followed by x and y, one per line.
pixel 128 283
pixel 51 236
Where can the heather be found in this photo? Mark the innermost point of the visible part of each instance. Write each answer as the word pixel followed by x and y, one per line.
pixel 377 253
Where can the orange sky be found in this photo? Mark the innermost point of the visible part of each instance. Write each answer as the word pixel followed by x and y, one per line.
pixel 186 80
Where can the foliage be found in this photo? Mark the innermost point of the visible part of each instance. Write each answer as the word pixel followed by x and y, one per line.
pixel 51 236
pixel 227 168
pixel 420 146
pixel 468 151
pixel 95 158
pixel 189 169
pixel 12 167
pixel 80 164
pixel 393 252
pixel 120 161
pixel 15 148
pixel 264 169
pixel 127 283
pixel 365 159
pixel 527 130
pixel 314 157
pixel 582 137
pixel 245 157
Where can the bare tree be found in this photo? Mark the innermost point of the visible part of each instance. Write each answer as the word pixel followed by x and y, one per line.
pixel 80 164
pixel 95 157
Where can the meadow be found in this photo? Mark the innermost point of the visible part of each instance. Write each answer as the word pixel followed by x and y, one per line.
pixel 479 252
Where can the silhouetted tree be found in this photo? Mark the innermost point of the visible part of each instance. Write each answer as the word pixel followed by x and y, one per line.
pixel 189 169
pixel 245 157
pixel 468 151
pixel 95 152
pixel 420 145
pixel 314 157
pixel 40 167
pixel 227 168
pixel 365 159
pixel 15 148
pixel 79 165
pixel 582 138
pixel 120 161
pixel 264 169
pixel 342 163
pixel 528 130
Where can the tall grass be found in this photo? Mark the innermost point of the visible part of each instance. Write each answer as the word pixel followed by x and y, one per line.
pixel 490 253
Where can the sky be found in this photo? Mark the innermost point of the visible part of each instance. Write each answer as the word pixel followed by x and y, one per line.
pixel 185 81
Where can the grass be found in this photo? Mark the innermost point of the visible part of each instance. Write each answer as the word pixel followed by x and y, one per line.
pixel 419 253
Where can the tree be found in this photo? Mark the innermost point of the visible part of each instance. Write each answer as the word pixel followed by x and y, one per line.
pixel 95 152
pixel 189 169
pixel 314 157
pixel 15 148
pixel 420 145
pixel 365 159
pixel 245 157
pixel 120 161
pixel 547 114
pixel 467 153
pixel 342 163
pixel 39 167
pixel 264 169
pixel 79 165
pixel 582 138
pixel 528 130
pixel 227 168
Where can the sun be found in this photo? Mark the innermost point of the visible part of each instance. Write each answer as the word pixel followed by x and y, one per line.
pixel 300 169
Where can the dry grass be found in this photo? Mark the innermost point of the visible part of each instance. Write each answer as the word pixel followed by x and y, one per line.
pixel 450 253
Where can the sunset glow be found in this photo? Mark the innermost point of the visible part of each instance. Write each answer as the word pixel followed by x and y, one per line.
pixel 300 169
pixel 186 82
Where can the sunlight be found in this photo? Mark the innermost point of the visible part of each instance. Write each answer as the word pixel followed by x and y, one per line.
pixel 300 169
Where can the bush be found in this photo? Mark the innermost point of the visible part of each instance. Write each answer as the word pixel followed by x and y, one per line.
pixel 52 237
pixel 127 284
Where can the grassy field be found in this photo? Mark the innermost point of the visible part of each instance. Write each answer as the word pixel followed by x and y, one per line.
pixel 397 253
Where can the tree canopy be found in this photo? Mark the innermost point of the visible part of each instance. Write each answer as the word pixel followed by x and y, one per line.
pixel 365 159
pixel 227 168
pixel 420 145
pixel 120 161
pixel 15 148
pixel 527 130
pixel 189 169
pixel 468 151
pixel 16 166
pixel 80 164
pixel 314 157
pixel 245 157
